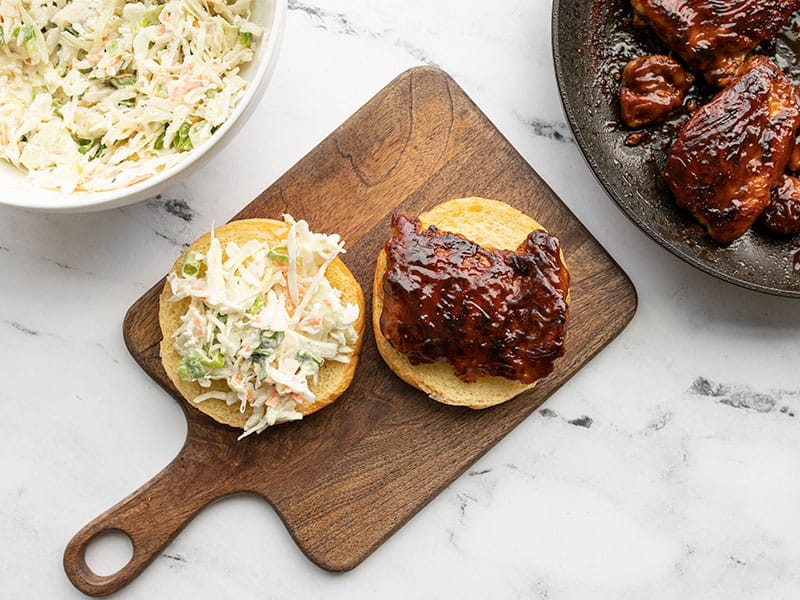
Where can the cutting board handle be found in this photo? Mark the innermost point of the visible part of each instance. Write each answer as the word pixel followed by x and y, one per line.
pixel 151 517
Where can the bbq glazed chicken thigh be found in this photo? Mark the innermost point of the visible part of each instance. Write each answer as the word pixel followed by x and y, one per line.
pixel 714 37
pixel 782 216
pixel 485 311
pixel 652 88
pixel 734 150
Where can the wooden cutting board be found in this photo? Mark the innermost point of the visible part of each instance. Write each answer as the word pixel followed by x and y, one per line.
pixel 345 478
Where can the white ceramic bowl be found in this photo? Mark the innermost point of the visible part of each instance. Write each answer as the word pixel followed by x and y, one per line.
pixel 17 189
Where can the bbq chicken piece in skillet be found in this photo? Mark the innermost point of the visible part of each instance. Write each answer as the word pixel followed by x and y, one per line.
pixel 782 216
pixel 714 37
pixel 794 157
pixel 734 150
pixel 653 87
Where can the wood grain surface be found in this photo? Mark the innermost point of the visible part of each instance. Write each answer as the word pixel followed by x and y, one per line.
pixel 345 478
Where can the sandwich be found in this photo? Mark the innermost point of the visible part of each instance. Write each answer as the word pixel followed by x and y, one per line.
pixel 470 302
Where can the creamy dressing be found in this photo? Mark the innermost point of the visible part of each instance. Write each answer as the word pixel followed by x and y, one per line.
pixel 101 95
pixel 264 319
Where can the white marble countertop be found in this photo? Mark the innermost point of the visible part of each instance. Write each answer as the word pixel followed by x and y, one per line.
pixel 666 468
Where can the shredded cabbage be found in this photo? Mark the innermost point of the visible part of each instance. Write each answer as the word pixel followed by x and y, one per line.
pixel 98 95
pixel 263 319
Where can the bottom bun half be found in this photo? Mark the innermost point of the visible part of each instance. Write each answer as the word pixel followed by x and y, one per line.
pixel 334 377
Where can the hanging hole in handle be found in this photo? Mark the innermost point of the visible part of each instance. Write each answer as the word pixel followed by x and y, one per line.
pixel 108 552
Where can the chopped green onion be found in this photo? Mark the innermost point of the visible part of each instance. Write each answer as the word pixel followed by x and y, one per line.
pixel 267 348
pixel 84 145
pixel 86 70
pixel 192 368
pixel 199 132
pixel 258 304
pixel 151 17
pixel 215 362
pixel 183 372
pixel 57 105
pixel 72 31
pixel 222 318
pixel 305 356
pixel 261 361
pixel 245 38
pixel 121 81
pixel 127 102
pixel 181 142
pixel 15 32
pixel 191 265
pixel 278 254
pixel 100 147
pixel 268 343
pixel 28 33
pixel 2 37
pixel 159 143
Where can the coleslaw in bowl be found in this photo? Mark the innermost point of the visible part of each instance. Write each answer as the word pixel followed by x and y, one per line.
pixel 105 103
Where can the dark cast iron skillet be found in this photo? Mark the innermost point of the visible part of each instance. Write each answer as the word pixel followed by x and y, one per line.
pixel 592 42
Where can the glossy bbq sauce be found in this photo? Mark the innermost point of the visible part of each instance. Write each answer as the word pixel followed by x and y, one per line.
pixel 782 216
pixel 653 86
pixel 486 312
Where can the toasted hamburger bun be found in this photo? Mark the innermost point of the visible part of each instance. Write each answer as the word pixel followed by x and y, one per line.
pixel 491 224
pixel 334 377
